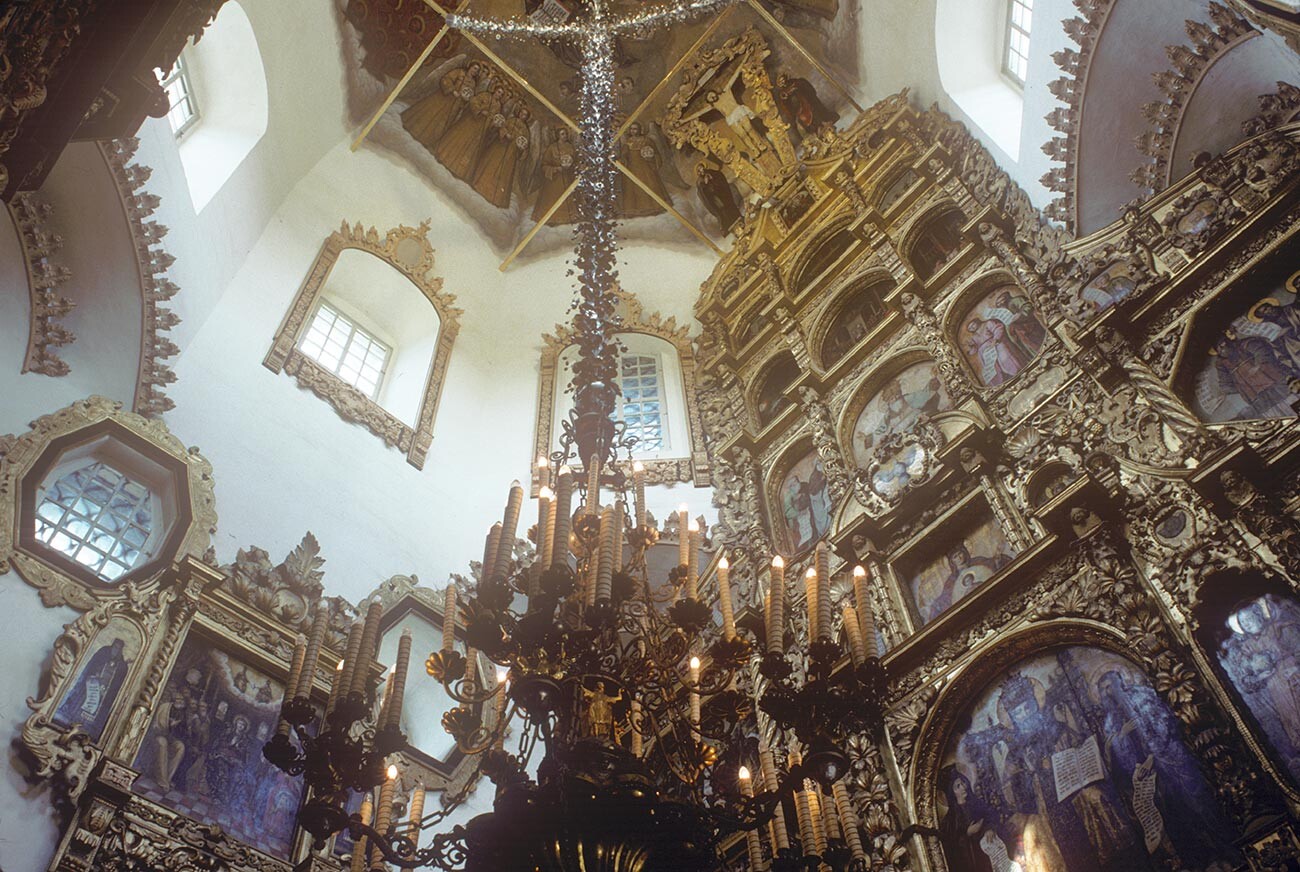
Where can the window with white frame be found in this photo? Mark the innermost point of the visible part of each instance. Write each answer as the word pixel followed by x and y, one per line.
pixel 641 403
pixel 346 350
pixel 184 111
pixel 98 517
pixel 1015 61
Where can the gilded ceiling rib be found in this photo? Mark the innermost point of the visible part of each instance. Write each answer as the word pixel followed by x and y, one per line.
pixel 509 70
pixel 559 201
pixel 404 81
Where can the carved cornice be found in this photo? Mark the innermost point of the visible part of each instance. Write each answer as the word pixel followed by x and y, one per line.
pixel 1276 109
pixel 1188 67
pixel 1085 32
pixel 152 263
pixel 394 249
pixel 31 217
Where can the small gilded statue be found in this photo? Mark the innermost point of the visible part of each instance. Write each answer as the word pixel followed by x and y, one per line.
pixel 598 715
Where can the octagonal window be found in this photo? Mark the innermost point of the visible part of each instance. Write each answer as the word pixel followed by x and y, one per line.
pixel 99 517
pixel 104 505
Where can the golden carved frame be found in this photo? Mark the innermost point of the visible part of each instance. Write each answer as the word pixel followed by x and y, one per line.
pixel 18 456
pixel 350 403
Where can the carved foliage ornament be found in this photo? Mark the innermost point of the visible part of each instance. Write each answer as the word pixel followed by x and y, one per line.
pixel 407 250
pixel 19 454
pixel 152 263
pixel 31 217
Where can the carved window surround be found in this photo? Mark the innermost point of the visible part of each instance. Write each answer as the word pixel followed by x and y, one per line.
pixel 692 467
pixel 23 460
pixel 407 250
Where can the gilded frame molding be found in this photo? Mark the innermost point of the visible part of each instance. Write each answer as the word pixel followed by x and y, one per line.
pixel 18 456
pixel 350 403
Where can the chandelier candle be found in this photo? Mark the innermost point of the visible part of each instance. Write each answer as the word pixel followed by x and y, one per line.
pixel 543 472
pixel 635 721
pixel 545 518
pixel 366 811
pixel 683 534
pixel 387 701
pixel 399 680
pixel 369 646
pixel 852 629
pixel 862 599
pixel 816 821
pixel 752 841
pixel 384 815
pixel 449 618
pixel 336 684
pixel 618 536
pixel 295 672
pixel 563 517
pixel 503 697
pixel 776 608
pixel 638 488
pixel 802 808
pixel 695 696
pixel 823 562
pixel 693 560
pixel 315 638
pixel 724 599
pixel 812 598
pixel 490 548
pixel 848 820
pixel 593 485
pixel 767 768
pixel 509 527
pixel 416 815
pixel 605 559
pixel 351 657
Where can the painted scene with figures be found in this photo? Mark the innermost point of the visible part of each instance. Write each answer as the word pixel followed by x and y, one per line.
pixel 897 407
pixel 202 755
pixel 1072 762
pixel 1000 335
pixel 805 503
pixel 1259 649
pixel 1253 366
pixel 944 576
pixel 89 699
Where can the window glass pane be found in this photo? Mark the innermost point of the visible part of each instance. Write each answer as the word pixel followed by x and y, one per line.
pixel 346 350
pixel 180 95
pixel 104 505
pixel 639 407
pixel 1019 21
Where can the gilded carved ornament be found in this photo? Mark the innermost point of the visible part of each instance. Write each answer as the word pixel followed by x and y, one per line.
pixel 20 453
pixel 152 264
pixel 32 217
pixel 408 251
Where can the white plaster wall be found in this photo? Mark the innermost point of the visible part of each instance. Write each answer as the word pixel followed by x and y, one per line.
pixel 299 45
pixel 29 829
pixel 286 463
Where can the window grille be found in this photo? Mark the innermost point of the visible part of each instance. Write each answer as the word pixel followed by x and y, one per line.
pixel 184 110
pixel 346 350
pixel 1016 60
pixel 97 517
pixel 641 405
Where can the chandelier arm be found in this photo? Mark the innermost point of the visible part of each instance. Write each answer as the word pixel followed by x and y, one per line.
pixel 448 851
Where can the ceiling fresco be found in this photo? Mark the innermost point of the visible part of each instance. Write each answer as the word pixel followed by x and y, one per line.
pixel 702 106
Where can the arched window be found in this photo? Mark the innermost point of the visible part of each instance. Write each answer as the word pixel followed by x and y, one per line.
pixel 225 70
pixel 99 517
pixel 770 399
pixel 862 310
pixel 652 400
pixel 937 242
pixel 974 51
pixel 370 332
